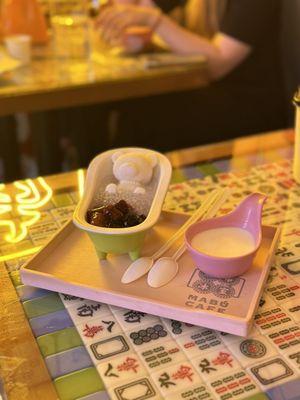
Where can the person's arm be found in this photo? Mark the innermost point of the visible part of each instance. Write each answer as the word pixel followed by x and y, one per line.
pixel 223 52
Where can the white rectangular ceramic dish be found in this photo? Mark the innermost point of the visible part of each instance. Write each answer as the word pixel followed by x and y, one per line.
pixel 69 264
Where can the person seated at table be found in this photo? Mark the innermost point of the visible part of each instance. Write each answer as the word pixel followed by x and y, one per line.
pixel 240 40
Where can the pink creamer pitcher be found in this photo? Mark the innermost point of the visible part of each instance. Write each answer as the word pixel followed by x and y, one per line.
pixel 23 17
pixel 246 216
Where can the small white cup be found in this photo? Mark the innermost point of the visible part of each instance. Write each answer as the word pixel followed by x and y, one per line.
pixel 19 47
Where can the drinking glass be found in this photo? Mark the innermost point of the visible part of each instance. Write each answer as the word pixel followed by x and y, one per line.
pixel 71 28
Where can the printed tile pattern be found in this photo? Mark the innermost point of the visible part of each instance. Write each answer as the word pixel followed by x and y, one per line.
pixel 140 356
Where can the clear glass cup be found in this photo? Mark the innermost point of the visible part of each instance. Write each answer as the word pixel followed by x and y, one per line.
pixel 71 28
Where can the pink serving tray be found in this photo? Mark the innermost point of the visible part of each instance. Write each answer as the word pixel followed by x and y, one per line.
pixel 69 264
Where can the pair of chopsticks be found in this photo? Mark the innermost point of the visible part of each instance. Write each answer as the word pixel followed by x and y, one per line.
pixel 208 209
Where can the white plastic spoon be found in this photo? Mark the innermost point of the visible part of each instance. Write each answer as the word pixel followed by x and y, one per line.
pixel 142 265
pixel 137 269
pixel 166 268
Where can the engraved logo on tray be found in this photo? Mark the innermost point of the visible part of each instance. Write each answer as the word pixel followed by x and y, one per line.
pixel 222 288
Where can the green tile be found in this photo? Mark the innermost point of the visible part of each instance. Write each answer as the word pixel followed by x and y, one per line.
pixel 62 200
pixel 258 396
pixel 208 169
pixel 78 384
pixel 43 305
pixel 177 176
pixel 15 278
pixel 58 341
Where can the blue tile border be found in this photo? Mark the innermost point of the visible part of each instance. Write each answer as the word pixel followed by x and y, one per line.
pixel 50 322
pixel 286 391
pixel 68 361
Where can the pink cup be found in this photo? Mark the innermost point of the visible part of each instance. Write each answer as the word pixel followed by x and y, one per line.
pixel 246 216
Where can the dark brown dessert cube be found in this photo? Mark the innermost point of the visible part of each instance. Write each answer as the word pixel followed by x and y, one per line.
pixel 98 219
pixel 133 219
pixel 114 217
pixel 119 215
pixel 123 206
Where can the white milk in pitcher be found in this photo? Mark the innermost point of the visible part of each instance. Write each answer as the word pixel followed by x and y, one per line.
pixel 224 242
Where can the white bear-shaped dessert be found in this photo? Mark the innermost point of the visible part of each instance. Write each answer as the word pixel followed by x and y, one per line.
pixel 132 169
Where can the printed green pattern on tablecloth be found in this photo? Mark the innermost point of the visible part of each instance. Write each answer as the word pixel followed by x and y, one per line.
pixel 140 356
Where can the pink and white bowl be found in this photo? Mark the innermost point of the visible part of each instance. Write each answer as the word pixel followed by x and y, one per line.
pixel 246 216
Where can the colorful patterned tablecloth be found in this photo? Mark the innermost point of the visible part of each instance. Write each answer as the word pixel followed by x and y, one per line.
pixel 94 351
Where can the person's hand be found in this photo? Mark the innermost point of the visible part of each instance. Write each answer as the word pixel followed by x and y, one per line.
pixel 113 21
pixel 136 39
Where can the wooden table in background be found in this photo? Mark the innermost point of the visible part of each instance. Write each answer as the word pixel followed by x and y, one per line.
pixel 21 366
pixel 48 83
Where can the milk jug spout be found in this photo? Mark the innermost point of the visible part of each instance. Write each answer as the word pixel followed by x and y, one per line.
pixel 250 210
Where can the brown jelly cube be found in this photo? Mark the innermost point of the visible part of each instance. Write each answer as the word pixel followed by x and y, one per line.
pixel 119 215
